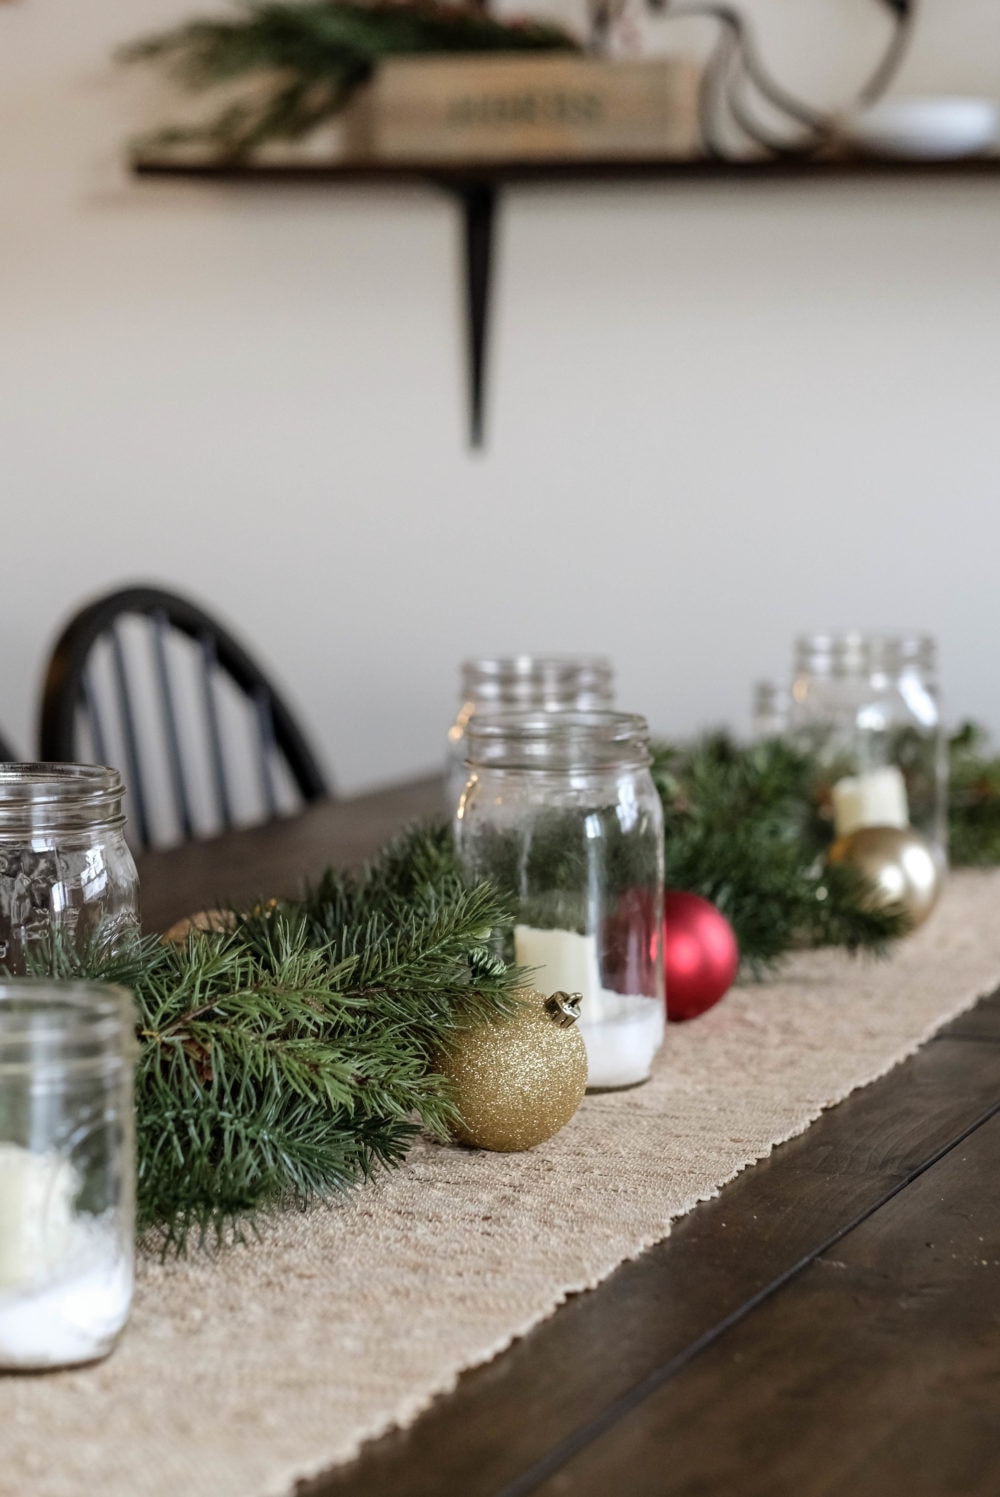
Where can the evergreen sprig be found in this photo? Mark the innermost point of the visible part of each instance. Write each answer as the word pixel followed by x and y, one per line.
pixel 742 829
pixel 973 799
pixel 307 57
pixel 291 1057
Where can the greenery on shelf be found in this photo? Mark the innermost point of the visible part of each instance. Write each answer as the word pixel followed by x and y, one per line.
pixel 291 1057
pixel 305 58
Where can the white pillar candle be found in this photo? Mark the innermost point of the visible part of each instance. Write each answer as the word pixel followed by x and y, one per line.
pixel 875 798
pixel 621 1031
pixel 65 1283
pixel 565 961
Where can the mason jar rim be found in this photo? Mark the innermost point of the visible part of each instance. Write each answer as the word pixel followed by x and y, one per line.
pixel 528 665
pixel 564 676
pixel 850 651
pixel 49 782
pixel 45 1020
pixel 51 797
pixel 538 740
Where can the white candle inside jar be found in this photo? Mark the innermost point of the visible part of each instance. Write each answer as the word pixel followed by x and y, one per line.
pixel 565 960
pixel 621 1031
pixel 875 798
pixel 65 1283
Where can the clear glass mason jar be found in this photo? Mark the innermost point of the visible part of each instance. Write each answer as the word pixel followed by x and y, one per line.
pixel 67 1170
pixel 524 683
pixel 66 873
pixel 560 812
pixel 867 706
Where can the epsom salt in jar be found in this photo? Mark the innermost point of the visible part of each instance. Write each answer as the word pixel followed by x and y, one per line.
pixel 866 705
pixel 524 683
pixel 67 877
pixel 67 1170
pixel 560 812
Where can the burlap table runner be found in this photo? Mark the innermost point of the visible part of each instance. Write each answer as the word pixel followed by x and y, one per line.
pixel 240 1374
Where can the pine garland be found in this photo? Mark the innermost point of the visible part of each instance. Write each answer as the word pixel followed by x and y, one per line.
pixel 973 799
pixel 305 58
pixel 748 828
pixel 290 1057
pixel 743 830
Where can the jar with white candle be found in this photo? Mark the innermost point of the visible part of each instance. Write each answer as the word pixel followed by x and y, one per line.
pixel 523 683
pixel 67 877
pixel 866 705
pixel 560 812
pixel 67 1170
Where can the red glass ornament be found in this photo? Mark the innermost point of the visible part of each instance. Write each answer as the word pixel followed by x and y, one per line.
pixel 700 954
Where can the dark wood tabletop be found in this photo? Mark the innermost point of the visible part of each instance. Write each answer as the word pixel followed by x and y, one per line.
pixel 277 859
pixel 830 1324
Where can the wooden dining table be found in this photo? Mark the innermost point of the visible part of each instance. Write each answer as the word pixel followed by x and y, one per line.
pixel 828 1324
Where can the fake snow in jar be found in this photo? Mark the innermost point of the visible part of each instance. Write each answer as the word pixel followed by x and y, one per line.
pixel 67 1171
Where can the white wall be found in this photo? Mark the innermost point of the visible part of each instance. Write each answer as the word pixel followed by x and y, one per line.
pixel 718 415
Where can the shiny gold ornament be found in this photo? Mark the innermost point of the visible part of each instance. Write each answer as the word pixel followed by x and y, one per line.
pixel 517 1082
pixel 899 862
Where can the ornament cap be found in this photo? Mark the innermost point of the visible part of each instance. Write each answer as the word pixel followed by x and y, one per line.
pixel 564 1008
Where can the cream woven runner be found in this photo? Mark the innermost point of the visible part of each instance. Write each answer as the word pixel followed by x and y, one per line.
pixel 239 1375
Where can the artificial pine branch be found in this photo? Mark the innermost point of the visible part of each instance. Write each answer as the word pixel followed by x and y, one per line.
pixel 973 799
pixel 307 57
pixel 743 830
pixel 289 1058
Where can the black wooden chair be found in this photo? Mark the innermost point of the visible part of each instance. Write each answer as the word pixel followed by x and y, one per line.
pixel 147 681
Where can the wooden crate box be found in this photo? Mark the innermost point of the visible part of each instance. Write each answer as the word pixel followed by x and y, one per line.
pixel 512 107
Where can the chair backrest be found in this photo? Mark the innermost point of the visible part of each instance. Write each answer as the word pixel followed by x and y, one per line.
pixel 147 681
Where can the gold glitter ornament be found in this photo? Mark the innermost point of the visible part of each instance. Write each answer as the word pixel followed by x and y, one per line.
pixel 516 1083
pixel 899 862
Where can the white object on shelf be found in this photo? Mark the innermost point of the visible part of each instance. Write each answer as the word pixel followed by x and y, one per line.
pixel 876 798
pixel 926 128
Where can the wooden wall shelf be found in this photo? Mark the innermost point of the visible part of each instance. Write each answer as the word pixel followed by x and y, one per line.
pixel 476 187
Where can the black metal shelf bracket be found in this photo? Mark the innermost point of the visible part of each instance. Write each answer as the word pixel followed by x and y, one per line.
pixel 478 201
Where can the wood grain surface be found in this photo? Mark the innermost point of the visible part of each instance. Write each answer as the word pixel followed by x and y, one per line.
pixel 581 1401
pixel 276 859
